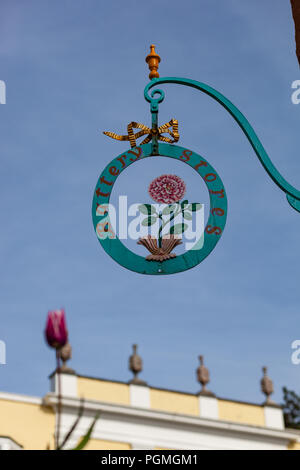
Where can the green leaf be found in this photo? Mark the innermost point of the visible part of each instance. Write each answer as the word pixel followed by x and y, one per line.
pixel 83 442
pixel 195 206
pixel 178 228
pixel 187 215
pixel 149 221
pixel 74 426
pixel 184 203
pixel 147 209
pixel 169 209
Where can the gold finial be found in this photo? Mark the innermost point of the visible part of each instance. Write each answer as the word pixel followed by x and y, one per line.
pixel 153 60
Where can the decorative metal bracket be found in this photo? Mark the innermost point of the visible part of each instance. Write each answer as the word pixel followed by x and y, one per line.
pixel 292 194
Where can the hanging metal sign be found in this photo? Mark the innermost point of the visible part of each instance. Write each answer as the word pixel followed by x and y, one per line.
pixel 151 264
pixel 169 189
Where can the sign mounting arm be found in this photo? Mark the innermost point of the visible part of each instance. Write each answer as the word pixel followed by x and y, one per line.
pixel 292 194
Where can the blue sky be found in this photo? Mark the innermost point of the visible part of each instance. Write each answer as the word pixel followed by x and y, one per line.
pixel 74 69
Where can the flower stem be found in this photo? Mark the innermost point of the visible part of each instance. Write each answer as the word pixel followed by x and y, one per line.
pixel 58 398
pixel 160 230
pixel 165 223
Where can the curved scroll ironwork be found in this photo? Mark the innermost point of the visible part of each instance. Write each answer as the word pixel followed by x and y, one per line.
pixel 292 194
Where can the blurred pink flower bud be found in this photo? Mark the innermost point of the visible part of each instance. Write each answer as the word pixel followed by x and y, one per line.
pixel 56 332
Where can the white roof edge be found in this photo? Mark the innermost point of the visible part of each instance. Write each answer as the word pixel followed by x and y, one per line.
pixel 51 399
pixel 21 398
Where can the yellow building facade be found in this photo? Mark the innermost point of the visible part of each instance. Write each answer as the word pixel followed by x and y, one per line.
pixel 137 416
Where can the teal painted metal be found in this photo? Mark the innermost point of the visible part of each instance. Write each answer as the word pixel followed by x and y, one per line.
pixel 292 194
pixel 154 113
pixel 213 230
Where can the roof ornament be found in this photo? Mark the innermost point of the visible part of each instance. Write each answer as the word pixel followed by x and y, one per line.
pixel 203 378
pixel 136 366
pixel 267 387
pixel 65 353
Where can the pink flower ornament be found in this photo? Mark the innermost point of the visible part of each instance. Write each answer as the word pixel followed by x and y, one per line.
pixel 167 189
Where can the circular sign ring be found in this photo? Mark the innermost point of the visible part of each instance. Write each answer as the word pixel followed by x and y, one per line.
pixel 213 230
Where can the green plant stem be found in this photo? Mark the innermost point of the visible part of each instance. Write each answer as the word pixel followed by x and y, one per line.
pixel 58 398
pixel 165 223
